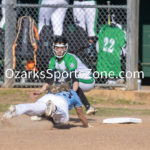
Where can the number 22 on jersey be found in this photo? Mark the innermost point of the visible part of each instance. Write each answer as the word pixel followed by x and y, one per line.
pixel 108 45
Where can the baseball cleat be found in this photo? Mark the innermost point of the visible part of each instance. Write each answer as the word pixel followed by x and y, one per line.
pixel 50 109
pixel 36 118
pixel 10 113
pixel 91 111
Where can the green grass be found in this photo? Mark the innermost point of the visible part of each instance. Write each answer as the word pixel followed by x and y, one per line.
pixel 21 96
pixel 121 112
pixel 10 92
pixel 118 101
pixel 96 100
pixel 118 112
pixel 127 102
pixel 4 107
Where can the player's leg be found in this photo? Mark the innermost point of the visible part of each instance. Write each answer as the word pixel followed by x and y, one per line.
pixel 44 14
pixel 83 98
pixel 91 19
pixel 91 22
pixel 58 112
pixel 79 16
pixel 86 84
pixel 57 19
pixel 89 109
pixel 37 108
pixel 2 22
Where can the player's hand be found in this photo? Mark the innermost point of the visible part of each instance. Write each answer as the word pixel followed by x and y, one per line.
pixel 33 95
pixel 90 126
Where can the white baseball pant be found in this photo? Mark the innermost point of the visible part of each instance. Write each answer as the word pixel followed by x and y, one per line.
pixel 38 108
pixel 2 22
pixel 55 15
pixel 85 17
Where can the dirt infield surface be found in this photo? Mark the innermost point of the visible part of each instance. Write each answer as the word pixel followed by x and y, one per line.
pixel 23 134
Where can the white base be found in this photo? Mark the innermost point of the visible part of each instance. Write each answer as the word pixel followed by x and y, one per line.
pixel 122 120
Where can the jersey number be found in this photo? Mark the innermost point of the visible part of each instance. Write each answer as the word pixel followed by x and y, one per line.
pixel 108 45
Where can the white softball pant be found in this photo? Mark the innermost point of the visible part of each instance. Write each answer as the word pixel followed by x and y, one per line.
pixel 55 15
pixel 85 17
pixel 86 86
pixel 38 108
pixel 2 22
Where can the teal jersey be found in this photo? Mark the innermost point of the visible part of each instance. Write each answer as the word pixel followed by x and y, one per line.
pixel 71 62
pixel 111 40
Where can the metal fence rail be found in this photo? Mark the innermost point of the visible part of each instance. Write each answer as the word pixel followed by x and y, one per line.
pixel 108 38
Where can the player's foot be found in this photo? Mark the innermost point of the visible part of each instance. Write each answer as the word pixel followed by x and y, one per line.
pixel 91 111
pixel 36 118
pixel 10 113
pixel 120 81
pixel 50 109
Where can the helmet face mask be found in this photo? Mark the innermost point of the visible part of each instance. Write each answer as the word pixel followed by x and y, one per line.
pixel 60 47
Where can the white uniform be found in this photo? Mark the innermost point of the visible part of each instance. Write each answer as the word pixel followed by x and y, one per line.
pixel 2 22
pixel 85 17
pixel 38 108
pixel 55 15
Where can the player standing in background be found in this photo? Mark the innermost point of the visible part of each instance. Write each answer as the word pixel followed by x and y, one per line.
pixel 2 22
pixel 63 61
pixel 55 15
pixel 86 18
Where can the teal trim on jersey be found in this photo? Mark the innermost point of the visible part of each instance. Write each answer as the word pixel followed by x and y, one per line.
pixel 87 81
pixel 52 63
pixel 4 26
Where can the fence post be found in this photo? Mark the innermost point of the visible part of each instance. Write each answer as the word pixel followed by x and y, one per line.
pixel 132 42
pixel 10 30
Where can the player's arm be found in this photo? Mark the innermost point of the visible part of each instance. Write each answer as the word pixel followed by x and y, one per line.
pixel 75 86
pixel 42 89
pixel 81 116
pixel 75 81
pixel 33 95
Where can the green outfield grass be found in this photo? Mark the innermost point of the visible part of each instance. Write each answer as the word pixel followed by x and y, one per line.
pixel 16 96
pixel 118 112
pixel 94 100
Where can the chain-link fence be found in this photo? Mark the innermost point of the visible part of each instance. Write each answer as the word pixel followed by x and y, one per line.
pixel 95 34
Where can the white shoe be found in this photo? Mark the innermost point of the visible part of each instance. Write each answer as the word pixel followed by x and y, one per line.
pixel 36 118
pixel 111 82
pixel 50 109
pixel 120 81
pixel 10 113
pixel 91 110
